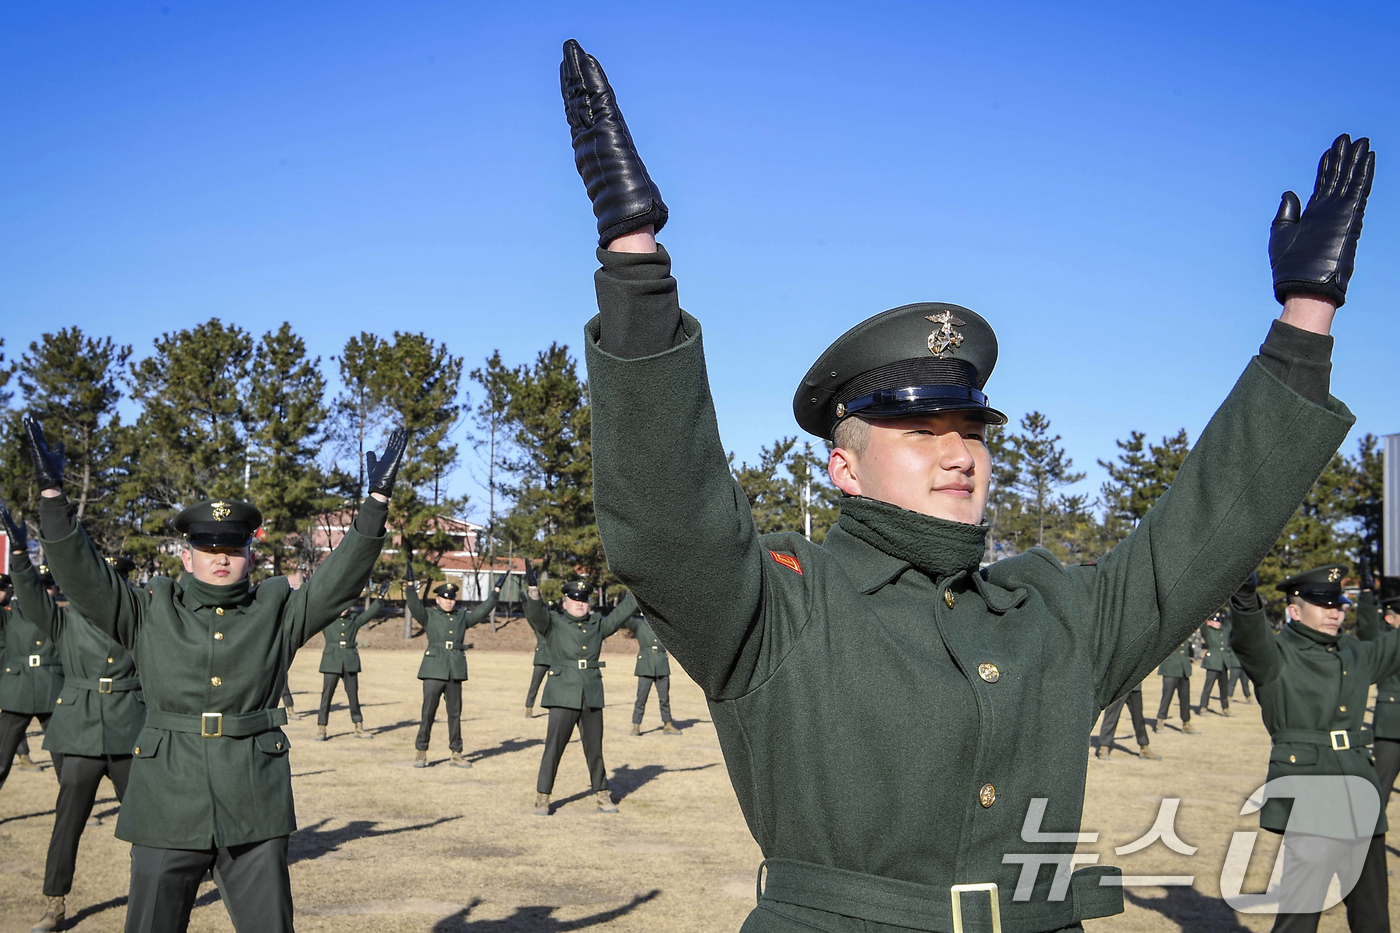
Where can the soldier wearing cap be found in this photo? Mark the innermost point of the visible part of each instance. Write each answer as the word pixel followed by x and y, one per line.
pixel 1216 636
pixel 340 660
pixel 444 666
pixel 1373 617
pixel 210 786
pixel 1176 680
pixel 1233 666
pixel 31 679
pixel 1312 684
pixel 1108 726
pixel 573 694
pixel 538 672
pixel 653 669
pixel 96 717
pixel 819 661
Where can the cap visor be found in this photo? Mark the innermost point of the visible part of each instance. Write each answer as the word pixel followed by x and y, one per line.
pixel 224 540
pixel 929 406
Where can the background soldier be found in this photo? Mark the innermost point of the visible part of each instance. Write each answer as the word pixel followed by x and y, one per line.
pixel 340 660
pixel 211 784
pixel 1385 724
pixel 31 682
pixel 653 667
pixel 537 675
pixel 1232 664
pixel 1312 685
pixel 444 666
pixel 1176 679
pixel 1215 664
pixel 95 721
pixel 573 694
pixel 1108 727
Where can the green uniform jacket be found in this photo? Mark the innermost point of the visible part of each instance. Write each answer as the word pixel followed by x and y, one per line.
pixel 444 658
pixel 33 673
pixel 1310 685
pixel 100 710
pixel 651 654
pixel 1178 663
pixel 187 791
pixel 1217 644
pixel 818 679
pixel 1369 625
pixel 1232 660
pixel 574 647
pixel 541 649
pixel 341 654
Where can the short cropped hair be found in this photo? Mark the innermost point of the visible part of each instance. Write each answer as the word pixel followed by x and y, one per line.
pixel 852 434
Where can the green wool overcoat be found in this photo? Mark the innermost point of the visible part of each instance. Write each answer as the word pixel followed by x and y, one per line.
pixel 1178 663
pixel 210 664
pixel 886 732
pixel 341 654
pixel 33 674
pixel 1217 641
pixel 651 654
pixel 1369 626
pixel 444 657
pixel 100 710
pixel 541 649
pixel 1312 691
pixel 574 647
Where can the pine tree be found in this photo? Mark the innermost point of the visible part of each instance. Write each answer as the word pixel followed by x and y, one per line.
pixel 359 412
pixel 490 436
pixel 788 485
pixel 1044 468
pixel 1139 477
pixel 1007 518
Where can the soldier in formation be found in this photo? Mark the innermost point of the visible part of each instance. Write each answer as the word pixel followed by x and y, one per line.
pixel 1312 684
pixel 1215 663
pixel 653 669
pixel 573 692
pixel 819 661
pixel 1373 618
pixel 31 681
pixel 444 666
pixel 537 673
pixel 96 719
pixel 1108 726
pixel 340 661
pixel 210 786
pixel 1176 680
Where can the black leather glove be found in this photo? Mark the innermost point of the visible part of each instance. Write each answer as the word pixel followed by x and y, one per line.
pixel 1368 580
pixel 409 576
pixel 1315 253
pixel 500 581
pixel 16 532
pixel 530 578
pixel 1246 598
pixel 384 589
pixel 383 469
pixel 625 199
pixel 48 462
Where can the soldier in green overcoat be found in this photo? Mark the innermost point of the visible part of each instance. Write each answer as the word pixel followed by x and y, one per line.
pixel 1372 619
pixel 1312 684
pixel 211 785
pixel 444 666
pixel 537 673
pixel 573 693
pixel 1232 664
pixel 1216 665
pixel 30 681
pixel 653 668
pixel 820 661
pixel 96 718
pixel 1176 680
pixel 340 660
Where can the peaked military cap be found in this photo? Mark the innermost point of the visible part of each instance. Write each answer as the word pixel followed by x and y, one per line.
pixel 5 583
pixel 578 589
pixel 446 591
pixel 910 360
pixel 122 564
pixel 1321 586
pixel 1391 605
pixel 218 523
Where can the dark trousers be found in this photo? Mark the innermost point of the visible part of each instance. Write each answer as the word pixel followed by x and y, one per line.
pixel 1213 678
pixel 1181 686
pixel 12 727
pixel 1387 754
pixel 433 691
pixel 77 789
pixel 1308 865
pixel 287 695
pixel 1237 677
pixel 352 693
pixel 663 696
pixel 1109 726
pixel 252 880
pixel 561 728
pixel 536 679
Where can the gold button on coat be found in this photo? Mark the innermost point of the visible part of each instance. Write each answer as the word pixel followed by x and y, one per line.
pixel 110 661
pixel 1343 708
pixel 988 672
pixel 1293 758
pixel 218 636
pixel 216 680
pixel 987 795
pixel 59 700
pixel 219 611
pixel 136 750
pixel 948 598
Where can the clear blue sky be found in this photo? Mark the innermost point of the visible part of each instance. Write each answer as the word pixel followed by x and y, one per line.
pixel 1095 179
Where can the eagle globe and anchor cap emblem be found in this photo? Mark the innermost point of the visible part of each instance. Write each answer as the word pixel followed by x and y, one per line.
pixel 221 510
pixel 1334 575
pixel 943 338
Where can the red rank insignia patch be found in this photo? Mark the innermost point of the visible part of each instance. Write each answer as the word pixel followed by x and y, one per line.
pixel 787 560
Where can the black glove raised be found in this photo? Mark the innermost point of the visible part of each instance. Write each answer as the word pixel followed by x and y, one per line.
pixel 1368 580
pixel 16 532
pixel 1246 598
pixel 500 581
pixel 48 463
pixel 530 578
pixel 384 589
pixel 382 470
pixel 1314 253
pixel 625 199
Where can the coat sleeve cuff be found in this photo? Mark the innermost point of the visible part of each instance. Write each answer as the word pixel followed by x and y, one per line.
pixel 373 516
pixel 638 303
pixel 1300 359
pixel 56 519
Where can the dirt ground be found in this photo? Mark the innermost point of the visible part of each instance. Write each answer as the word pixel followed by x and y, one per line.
pixel 385 847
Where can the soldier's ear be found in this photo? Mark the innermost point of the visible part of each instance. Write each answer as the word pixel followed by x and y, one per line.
pixel 842 466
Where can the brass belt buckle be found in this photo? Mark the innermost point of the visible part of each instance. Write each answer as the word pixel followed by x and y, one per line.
pixel 342 644
pixel 104 685
pixel 35 660
pixel 583 664
pixel 957 892
pixel 449 645
pixel 1346 740
pixel 218 719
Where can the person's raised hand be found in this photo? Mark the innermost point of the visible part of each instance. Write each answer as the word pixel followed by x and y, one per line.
pixel 48 462
pixel 1313 250
pixel 16 532
pixel 382 470
pixel 530 579
pixel 624 197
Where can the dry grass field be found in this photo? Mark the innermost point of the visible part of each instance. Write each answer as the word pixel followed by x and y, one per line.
pixel 386 847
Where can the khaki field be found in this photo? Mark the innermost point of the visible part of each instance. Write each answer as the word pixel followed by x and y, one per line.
pixel 386 847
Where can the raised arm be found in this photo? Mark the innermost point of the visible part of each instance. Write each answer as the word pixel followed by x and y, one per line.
pixel 535 611
pixel 39 607
pixel 483 610
pixel 1250 635
pixel 620 616
pixel 415 603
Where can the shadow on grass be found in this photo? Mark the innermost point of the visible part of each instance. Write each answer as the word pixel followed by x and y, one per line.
pixel 92 910
pixel 505 748
pixel 1191 910
pixel 536 919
